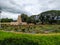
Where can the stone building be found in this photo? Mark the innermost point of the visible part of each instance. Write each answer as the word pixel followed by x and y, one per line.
pixel 19 22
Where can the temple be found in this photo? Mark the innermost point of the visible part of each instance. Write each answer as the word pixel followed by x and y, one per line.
pixel 19 22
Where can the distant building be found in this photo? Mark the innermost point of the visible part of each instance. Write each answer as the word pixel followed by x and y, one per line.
pixel 19 22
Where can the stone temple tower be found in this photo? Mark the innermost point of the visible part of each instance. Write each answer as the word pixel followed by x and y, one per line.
pixel 19 20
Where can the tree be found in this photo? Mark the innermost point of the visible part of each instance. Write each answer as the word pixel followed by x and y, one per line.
pixel 42 19
pixel 34 19
pixel 6 20
pixel 28 20
pixel 24 17
pixel 49 16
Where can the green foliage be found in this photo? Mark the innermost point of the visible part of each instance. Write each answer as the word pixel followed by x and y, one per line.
pixel 28 20
pixel 7 38
pixel 49 17
pixel 33 19
pixel 42 18
pixel 6 20
pixel 24 17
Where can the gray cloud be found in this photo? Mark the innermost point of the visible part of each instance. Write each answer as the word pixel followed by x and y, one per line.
pixel 10 6
pixel 28 6
pixel 18 6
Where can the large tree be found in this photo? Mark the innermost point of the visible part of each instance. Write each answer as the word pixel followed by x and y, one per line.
pixel 24 17
pixel 34 19
pixel 42 18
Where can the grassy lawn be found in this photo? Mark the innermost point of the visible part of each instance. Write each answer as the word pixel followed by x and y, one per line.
pixel 10 38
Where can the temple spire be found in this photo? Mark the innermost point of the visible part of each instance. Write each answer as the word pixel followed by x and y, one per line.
pixel 19 20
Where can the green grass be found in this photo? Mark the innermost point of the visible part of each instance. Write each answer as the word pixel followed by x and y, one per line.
pixel 8 38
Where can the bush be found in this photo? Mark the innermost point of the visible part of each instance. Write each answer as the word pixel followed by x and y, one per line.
pixel 7 38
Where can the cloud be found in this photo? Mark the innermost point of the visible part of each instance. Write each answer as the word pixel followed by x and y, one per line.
pixel 29 7
pixel 10 6
pixel 10 15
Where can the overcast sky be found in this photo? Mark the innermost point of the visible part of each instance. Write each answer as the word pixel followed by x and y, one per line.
pixel 13 8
